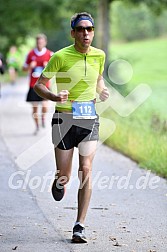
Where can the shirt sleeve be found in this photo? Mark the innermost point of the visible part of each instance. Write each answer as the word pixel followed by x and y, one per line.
pixel 53 66
pixel 102 62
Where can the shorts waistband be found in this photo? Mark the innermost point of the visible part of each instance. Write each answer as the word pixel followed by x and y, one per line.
pixel 65 111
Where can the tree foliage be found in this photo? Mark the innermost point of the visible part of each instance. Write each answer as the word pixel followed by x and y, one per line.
pixel 21 18
pixel 136 23
pixel 157 6
pixel 27 17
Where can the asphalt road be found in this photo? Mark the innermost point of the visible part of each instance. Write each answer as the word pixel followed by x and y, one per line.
pixel 128 209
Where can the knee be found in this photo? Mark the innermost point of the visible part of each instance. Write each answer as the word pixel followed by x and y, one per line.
pixel 34 110
pixel 85 171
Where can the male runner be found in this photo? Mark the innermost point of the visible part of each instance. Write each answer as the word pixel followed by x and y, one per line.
pixel 78 71
pixel 35 62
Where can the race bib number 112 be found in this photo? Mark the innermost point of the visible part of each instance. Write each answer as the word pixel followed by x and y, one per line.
pixel 83 110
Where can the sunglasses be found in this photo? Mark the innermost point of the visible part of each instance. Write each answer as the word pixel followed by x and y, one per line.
pixel 83 29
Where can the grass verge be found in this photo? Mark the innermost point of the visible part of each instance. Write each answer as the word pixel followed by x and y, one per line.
pixel 143 134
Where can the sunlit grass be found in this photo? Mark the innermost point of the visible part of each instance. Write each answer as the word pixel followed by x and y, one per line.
pixel 143 134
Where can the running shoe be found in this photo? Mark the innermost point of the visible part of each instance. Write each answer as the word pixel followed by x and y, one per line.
pixel 58 190
pixel 79 234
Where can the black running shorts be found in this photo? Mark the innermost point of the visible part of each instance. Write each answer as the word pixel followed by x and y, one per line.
pixel 68 132
pixel 32 96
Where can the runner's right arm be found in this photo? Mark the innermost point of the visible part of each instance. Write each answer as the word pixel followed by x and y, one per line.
pixel 29 67
pixel 41 89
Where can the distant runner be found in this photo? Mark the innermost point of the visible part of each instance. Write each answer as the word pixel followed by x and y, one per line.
pixel 35 62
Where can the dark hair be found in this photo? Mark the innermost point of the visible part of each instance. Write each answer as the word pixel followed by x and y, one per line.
pixel 76 17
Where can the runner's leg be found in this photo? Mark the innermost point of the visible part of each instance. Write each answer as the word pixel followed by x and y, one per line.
pixel 85 176
pixel 64 164
pixel 35 114
pixel 44 110
pixel 12 74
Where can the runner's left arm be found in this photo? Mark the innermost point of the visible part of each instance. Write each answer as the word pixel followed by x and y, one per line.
pixel 101 89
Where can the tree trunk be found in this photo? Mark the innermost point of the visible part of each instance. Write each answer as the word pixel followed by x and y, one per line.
pixel 103 29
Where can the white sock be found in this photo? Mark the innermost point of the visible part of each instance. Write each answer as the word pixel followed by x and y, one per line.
pixel 77 222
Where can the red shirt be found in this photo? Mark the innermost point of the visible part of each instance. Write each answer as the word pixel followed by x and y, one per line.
pixel 41 57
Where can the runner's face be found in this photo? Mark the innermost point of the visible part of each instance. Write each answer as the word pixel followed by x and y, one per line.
pixel 41 43
pixel 83 38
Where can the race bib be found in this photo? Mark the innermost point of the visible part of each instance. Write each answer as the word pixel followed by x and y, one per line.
pixel 37 71
pixel 83 110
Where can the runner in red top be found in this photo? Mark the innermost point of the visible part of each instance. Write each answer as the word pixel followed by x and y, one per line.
pixel 35 62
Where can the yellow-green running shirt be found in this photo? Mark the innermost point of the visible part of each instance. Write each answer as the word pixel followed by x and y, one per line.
pixel 76 72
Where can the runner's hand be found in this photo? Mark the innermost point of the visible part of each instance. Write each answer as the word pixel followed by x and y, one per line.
pixel 104 94
pixel 33 64
pixel 62 96
pixel 45 63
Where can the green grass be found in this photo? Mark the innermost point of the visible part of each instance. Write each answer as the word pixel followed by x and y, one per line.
pixel 143 134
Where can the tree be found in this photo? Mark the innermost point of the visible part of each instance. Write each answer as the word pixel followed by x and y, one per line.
pixel 21 18
pixel 27 17
pixel 157 6
pixel 104 23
